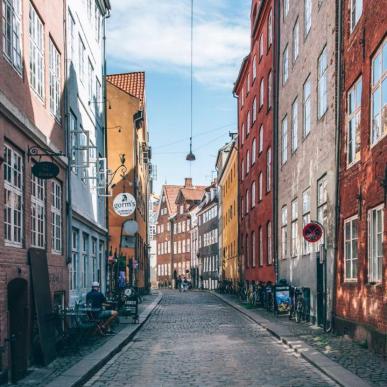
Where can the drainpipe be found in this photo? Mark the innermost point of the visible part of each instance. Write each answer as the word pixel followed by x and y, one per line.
pixel 240 264
pixel 276 67
pixel 68 143
pixel 104 98
pixel 339 9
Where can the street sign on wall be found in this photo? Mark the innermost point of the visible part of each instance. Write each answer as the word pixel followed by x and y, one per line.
pixel 124 204
pixel 312 232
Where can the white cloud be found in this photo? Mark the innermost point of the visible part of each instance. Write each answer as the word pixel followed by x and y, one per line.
pixel 155 35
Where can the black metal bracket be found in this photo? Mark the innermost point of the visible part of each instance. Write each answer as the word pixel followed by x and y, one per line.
pixel 121 168
pixel 39 152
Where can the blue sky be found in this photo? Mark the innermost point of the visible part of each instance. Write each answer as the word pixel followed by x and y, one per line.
pixel 154 36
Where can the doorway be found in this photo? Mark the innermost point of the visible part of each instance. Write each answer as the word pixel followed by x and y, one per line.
pixel 18 327
pixel 320 290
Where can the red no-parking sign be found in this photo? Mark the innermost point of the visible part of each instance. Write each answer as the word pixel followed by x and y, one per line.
pixel 312 232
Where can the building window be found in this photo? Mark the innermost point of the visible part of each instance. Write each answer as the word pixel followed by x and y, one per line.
pixel 242 170
pixel 261 93
pixel 242 97
pixel 285 65
pixel 90 80
pixel 269 244
pixel 12 32
pixel 353 118
pixel 350 248
pixel 38 216
pixel 296 41
pixel 261 139
pixel 254 68
pixel 379 94
pixel 270 90
pixel 254 115
pixel 74 267
pixel 322 201
pixel 97 23
pixel 36 33
pixel 253 151
pixel 270 29
pixel 260 47
pixel 294 229
pixel 81 59
pixel 286 7
pixel 248 123
pixel 306 215
pixel 253 194
pixel 247 162
pixel 71 39
pixel 253 249
pixel 248 84
pixel 260 247
pixel 247 202
pixel 243 133
pixel 356 11
pixel 54 71
pixel 306 107
pixel 268 170
pixel 98 97
pixel 247 252
pixel 322 90
pixel 307 17
pixel 260 186
pixel 85 260
pixel 94 258
pixel 56 211
pixel 284 232
pixel 294 125
pixel 375 244
pixel 13 196
pixel 284 140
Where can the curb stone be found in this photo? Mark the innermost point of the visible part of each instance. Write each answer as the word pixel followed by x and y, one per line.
pixel 79 373
pixel 328 367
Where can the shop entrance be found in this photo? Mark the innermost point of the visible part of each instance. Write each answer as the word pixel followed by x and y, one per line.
pixel 18 327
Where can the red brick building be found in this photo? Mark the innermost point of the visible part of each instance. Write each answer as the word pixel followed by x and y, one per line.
pixel 32 210
pixel 361 288
pixel 167 209
pixel 188 197
pixel 254 88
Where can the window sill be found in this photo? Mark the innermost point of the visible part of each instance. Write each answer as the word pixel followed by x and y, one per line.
pixel 319 119
pixel 350 282
pixel 378 140
pixel 13 244
pixel 352 164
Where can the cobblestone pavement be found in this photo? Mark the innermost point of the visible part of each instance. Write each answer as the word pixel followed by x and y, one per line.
pixel 67 357
pixel 194 339
pixel 348 353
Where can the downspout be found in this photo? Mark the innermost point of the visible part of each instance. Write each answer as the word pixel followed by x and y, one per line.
pixel 68 143
pixel 276 66
pixel 240 263
pixel 339 9
pixel 104 98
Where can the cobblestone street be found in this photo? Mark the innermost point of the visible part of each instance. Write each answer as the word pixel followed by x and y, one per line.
pixel 195 339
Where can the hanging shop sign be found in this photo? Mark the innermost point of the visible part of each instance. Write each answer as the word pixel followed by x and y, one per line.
pixel 124 204
pixel 312 232
pixel 45 170
pixel 130 227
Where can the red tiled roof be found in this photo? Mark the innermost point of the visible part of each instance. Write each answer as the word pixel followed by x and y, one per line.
pixel 131 83
pixel 194 193
pixel 171 192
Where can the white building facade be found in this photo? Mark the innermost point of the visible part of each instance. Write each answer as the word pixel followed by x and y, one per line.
pixel 85 112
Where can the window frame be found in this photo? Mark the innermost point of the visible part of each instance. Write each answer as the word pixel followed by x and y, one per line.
pixel 55 79
pixel 322 83
pixel 350 221
pixel 38 212
pixel 56 217
pixel 353 133
pixel 372 277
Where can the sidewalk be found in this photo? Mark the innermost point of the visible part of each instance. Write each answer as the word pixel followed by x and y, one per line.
pixel 340 358
pixel 71 368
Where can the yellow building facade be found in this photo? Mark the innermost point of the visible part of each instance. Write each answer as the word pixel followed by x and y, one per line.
pixel 228 184
pixel 128 154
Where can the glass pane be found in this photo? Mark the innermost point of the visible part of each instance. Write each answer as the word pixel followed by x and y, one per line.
pixel 358 93
pixel 347 269
pixel 354 268
pixel 347 231
pixel 354 248
pixel 347 250
pixel 376 69
pixel 354 229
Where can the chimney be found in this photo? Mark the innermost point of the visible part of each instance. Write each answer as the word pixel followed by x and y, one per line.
pixel 188 182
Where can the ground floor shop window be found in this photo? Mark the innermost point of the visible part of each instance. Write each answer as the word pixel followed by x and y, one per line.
pixel 350 248
pixel 375 244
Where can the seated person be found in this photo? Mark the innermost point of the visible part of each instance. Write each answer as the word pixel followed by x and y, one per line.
pixel 96 299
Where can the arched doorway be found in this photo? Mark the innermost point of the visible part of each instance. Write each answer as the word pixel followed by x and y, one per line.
pixel 18 327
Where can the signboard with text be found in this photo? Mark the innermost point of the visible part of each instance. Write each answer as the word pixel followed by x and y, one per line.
pixel 124 204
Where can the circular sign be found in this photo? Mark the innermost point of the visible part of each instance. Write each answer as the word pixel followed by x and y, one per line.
pixel 124 204
pixel 45 170
pixel 130 227
pixel 312 232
